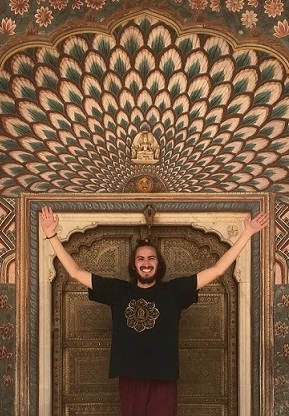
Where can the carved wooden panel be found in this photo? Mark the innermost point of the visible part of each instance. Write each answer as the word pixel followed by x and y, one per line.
pixel 208 330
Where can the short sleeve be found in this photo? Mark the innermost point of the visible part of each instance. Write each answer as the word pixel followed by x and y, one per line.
pixel 104 289
pixel 185 290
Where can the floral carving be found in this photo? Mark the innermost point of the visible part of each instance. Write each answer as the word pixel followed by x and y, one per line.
pixel 7 330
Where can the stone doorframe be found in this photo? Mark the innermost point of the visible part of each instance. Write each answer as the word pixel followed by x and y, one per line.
pixel 219 213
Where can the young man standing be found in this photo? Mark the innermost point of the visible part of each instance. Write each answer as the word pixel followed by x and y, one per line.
pixel 146 314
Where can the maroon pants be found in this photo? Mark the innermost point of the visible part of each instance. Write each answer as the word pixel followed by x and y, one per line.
pixel 140 397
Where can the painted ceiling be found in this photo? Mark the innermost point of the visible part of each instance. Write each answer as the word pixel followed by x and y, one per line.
pixel 141 101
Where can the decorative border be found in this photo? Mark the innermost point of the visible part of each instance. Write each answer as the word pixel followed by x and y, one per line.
pixel 27 305
pixel 281 332
pixel 7 348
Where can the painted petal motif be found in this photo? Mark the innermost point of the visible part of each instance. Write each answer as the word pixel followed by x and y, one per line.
pixel 69 114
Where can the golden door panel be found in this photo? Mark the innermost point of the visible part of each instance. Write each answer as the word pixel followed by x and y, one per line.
pixel 82 329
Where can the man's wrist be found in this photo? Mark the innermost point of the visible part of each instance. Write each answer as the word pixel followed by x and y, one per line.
pixel 48 238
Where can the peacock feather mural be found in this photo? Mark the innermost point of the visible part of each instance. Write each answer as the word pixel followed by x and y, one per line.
pixel 135 96
pixel 214 113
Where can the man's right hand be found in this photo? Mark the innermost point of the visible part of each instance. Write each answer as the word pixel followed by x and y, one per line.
pixel 48 221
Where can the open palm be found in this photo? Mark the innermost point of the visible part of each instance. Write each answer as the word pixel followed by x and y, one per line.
pixel 256 224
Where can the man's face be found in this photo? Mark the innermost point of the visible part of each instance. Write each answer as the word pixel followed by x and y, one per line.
pixel 146 264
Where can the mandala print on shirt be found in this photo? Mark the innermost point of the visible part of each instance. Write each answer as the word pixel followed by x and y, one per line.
pixel 141 315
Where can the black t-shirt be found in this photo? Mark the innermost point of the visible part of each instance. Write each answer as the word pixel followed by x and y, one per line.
pixel 145 324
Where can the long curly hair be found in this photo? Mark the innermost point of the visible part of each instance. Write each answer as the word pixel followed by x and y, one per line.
pixel 161 268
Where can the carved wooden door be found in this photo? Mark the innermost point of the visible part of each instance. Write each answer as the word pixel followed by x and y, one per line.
pixel 208 331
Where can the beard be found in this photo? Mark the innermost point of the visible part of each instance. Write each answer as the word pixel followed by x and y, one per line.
pixel 146 280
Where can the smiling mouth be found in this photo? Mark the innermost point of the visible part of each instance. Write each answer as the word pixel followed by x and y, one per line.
pixel 146 269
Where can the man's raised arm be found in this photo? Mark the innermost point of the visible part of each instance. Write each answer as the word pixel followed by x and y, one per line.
pixel 49 222
pixel 252 226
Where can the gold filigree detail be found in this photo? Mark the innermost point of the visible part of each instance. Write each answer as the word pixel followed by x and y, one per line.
pixel 141 315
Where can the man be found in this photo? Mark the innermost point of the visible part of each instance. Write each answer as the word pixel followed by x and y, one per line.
pixel 146 314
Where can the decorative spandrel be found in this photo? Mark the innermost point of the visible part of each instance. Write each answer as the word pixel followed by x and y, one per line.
pixel 188 250
pixel 103 252
pixel 208 330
